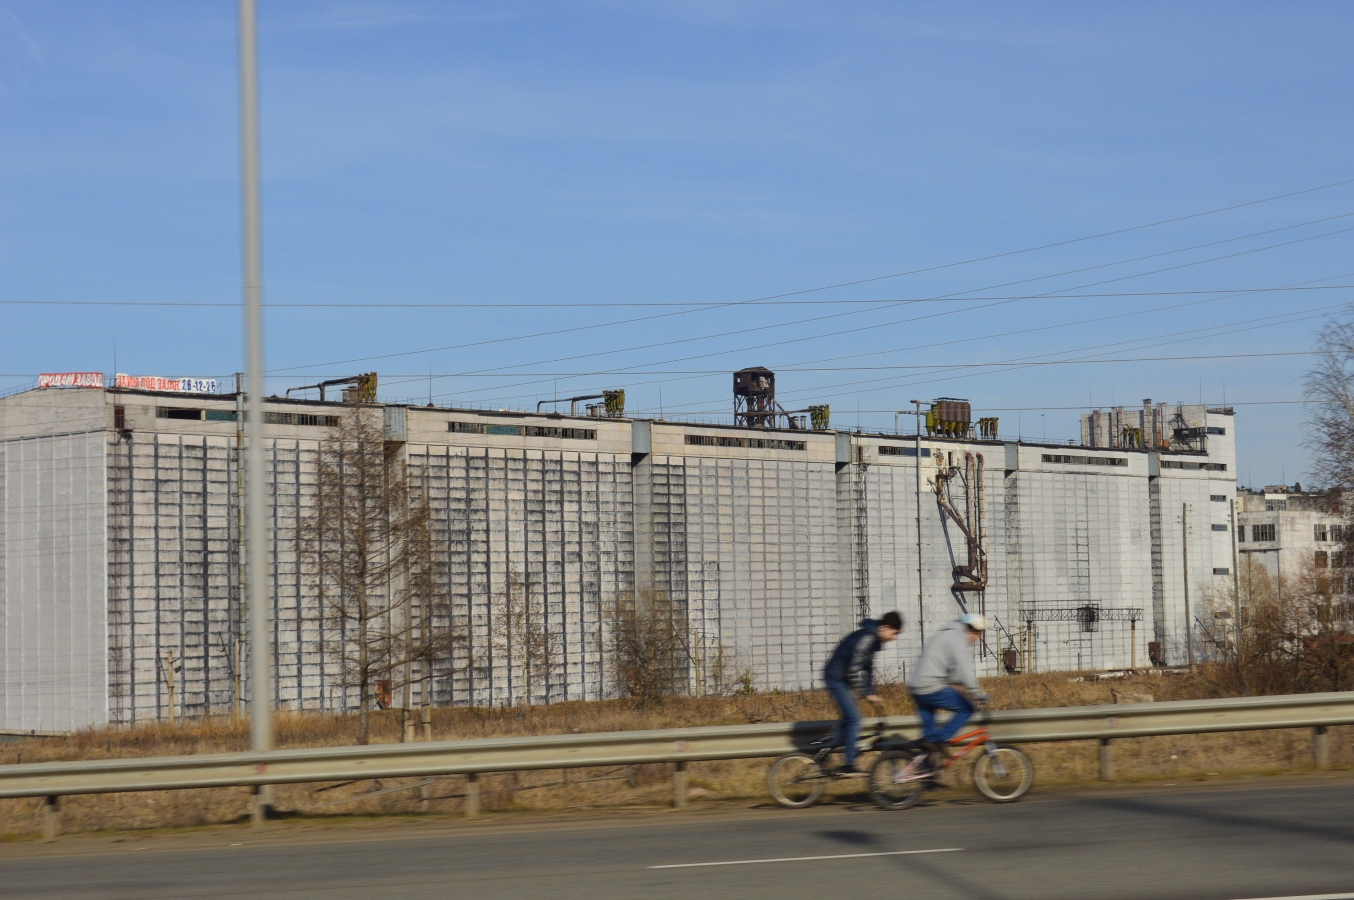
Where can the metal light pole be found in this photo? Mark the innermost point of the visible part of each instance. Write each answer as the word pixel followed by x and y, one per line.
pixel 259 595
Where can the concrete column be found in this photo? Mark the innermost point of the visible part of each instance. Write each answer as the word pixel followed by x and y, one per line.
pixel 679 785
pixel 1321 747
pixel 1106 760
pixel 641 485
pixel 472 795
pixel 51 819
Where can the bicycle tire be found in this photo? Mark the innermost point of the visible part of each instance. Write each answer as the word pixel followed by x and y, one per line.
pixel 796 780
pixel 885 791
pixel 1017 781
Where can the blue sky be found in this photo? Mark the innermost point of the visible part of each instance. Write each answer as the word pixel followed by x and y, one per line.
pixel 510 154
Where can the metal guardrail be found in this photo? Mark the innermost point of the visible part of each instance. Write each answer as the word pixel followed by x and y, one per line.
pixel 681 745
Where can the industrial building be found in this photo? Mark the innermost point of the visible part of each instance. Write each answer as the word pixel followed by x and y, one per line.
pixel 1289 531
pixel 120 571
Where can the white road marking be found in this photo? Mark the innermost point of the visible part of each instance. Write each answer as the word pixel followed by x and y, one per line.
pixel 1308 897
pixel 749 862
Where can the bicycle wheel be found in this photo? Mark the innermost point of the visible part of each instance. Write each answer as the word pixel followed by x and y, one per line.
pixel 796 780
pixel 1003 775
pixel 887 791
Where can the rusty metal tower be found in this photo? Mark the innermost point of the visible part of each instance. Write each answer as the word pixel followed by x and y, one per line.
pixel 754 397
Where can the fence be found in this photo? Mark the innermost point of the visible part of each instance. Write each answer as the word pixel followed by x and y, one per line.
pixel 679 746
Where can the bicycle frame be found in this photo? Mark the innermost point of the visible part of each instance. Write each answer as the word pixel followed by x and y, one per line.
pixel 964 744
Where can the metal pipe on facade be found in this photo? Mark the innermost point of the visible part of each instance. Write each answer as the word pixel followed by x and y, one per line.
pixel 1189 620
pixel 259 593
pixel 921 597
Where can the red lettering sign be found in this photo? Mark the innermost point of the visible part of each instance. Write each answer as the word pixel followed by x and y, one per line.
pixel 70 380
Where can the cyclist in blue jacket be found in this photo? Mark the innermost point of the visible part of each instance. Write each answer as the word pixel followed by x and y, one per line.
pixel 850 670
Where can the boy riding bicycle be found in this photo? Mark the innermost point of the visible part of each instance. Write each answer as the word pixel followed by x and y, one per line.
pixel 851 669
pixel 946 660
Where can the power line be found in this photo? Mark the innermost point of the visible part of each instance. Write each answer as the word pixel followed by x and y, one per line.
pixel 575 329
pixel 1266 321
pixel 641 366
pixel 627 304
pixel 953 342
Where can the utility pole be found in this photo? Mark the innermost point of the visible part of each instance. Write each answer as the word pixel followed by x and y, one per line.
pixel 259 593
pixel 1189 620
pixel 921 594
pixel 1236 591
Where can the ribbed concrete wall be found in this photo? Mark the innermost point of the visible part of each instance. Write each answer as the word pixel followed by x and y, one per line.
pixel 171 561
pixel 554 528
pixel 750 548
pixel 53 589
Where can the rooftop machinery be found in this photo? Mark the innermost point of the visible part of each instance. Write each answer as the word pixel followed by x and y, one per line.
pixel 755 405
pixel 951 417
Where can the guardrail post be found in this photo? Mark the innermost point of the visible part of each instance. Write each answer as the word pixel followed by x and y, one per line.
pixel 1321 747
pixel 679 785
pixel 1106 760
pixel 472 795
pixel 51 819
pixel 260 805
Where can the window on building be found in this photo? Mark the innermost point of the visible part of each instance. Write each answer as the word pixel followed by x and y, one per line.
pixel 1222 571
pixel 1339 560
pixel 534 431
pixel 1193 466
pixel 1337 533
pixel 276 418
pixel 893 450
pixel 1322 560
pixel 175 412
pixel 1213 429
pixel 1219 527
pixel 709 440
pixel 1318 532
pixel 120 418
pixel 1218 498
pixel 1264 532
pixel 1276 505
pixel 1085 460
pixel 1241 534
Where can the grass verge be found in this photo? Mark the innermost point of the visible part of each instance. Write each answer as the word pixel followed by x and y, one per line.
pixel 1184 757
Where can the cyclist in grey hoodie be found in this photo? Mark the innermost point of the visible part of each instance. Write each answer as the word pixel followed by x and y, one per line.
pixel 947 660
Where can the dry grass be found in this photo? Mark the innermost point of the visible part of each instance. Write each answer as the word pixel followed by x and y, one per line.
pixel 740 781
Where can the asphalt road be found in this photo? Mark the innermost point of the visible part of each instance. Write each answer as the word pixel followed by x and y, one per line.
pixel 1228 842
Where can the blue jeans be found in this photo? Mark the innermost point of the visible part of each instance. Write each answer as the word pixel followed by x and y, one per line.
pixel 848 730
pixel 945 698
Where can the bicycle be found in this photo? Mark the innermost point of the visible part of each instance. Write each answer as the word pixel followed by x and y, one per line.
pixel 1002 774
pixel 798 778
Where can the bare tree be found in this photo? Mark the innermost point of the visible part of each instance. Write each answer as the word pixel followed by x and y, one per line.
pixel 1329 390
pixel 653 648
pixel 1294 637
pixel 521 639
pixel 366 544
